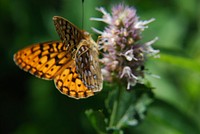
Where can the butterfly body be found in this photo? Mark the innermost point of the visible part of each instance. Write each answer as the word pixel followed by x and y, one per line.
pixel 72 62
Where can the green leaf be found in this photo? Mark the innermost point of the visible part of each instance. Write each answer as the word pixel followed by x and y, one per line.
pixel 183 62
pixel 127 108
pixel 97 120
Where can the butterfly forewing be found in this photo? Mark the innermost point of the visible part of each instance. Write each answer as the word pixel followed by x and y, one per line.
pixel 69 33
pixel 44 60
pixel 72 62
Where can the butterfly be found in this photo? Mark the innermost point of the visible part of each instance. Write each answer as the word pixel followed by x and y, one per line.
pixel 72 62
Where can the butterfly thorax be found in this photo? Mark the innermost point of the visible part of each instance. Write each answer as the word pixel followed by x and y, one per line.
pixel 88 37
pixel 85 44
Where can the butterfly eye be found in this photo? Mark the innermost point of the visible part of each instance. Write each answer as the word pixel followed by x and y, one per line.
pixel 86 33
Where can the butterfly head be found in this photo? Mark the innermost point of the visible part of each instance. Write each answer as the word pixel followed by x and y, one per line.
pixel 87 36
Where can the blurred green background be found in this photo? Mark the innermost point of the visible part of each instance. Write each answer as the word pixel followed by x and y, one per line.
pixel 34 106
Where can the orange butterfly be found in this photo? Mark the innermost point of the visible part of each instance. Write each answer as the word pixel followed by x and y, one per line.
pixel 72 63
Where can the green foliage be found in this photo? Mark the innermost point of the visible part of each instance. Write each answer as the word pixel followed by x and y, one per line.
pixel 124 109
pixel 97 119
pixel 182 62
pixel 32 106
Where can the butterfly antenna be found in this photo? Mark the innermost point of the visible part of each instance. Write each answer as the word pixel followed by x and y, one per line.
pixel 82 14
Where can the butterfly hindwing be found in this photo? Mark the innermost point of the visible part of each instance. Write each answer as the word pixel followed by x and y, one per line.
pixel 69 83
pixel 87 65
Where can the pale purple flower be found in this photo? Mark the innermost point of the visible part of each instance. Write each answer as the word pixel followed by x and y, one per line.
pixel 123 53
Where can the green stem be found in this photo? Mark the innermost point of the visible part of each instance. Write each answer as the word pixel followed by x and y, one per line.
pixel 124 117
pixel 113 114
pixel 115 109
